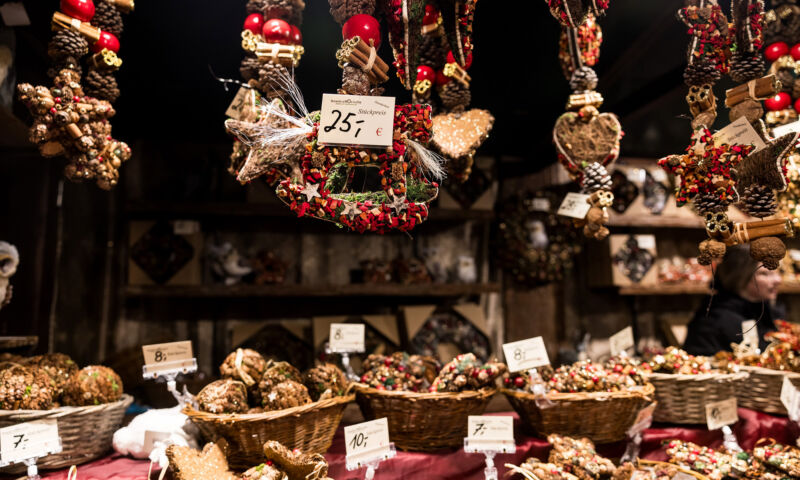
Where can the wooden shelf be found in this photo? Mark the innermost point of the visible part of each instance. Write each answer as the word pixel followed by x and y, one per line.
pixel 309 291
pixel 688 289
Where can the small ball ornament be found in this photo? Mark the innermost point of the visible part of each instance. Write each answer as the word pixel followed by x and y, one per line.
pixel 107 41
pixel 277 31
pixel 425 72
pixel 795 52
pixel 296 37
pixel 779 102
pixel 83 10
pixel 255 23
pixel 431 15
pixel 364 26
pixel 776 50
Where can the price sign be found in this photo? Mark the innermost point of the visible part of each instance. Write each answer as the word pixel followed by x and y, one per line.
pixel 525 354
pixel 722 413
pixel 741 132
pixel 575 205
pixel 29 440
pixel 346 337
pixel 643 420
pixel 750 333
pixel 162 358
pixel 367 441
pixel 243 105
pixel 782 130
pixel 790 397
pixel 495 428
pixel 621 341
pixel 356 120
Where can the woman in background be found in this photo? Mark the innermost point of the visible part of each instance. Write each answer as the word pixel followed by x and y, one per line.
pixel 745 291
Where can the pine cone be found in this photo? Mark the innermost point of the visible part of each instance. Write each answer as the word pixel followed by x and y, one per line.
pixel 758 201
pixel 595 177
pixel 269 79
pixel 107 18
pixel 746 66
pixel 700 74
pixel 70 63
pixel 583 79
pixel 101 85
pixel 708 202
pixel 454 95
pixel 341 10
pixel 786 77
pixel 67 43
pixel 354 81
pixel 255 6
pixel 250 67
pixel 784 26
pixel 433 51
pixel 289 10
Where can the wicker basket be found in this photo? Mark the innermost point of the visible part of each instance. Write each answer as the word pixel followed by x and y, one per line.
pixel 604 417
pixel 653 463
pixel 423 421
pixel 763 392
pixel 85 432
pixel 309 427
pixel 683 398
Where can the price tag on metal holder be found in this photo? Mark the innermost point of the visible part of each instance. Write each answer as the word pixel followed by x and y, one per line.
pixel 790 397
pixel 346 337
pixel 27 441
pixel 162 359
pixel 367 444
pixel 621 341
pixel 356 120
pixel 721 414
pixel 525 354
pixel 490 435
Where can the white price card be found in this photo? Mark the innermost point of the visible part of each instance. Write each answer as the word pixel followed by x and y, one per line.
pixel 790 397
pixel 346 337
pixel 29 440
pixel 356 120
pixel 722 413
pixel 621 341
pixel 750 333
pixel 525 354
pixel 575 205
pixel 243 105
pixel 741 132
pixel 490 428
pixel 162 358
pixel 368 441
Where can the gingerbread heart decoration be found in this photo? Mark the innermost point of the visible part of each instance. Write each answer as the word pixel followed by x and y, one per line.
pixel 585 137
pixel 459 134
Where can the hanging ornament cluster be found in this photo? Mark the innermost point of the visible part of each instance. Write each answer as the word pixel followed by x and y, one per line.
pixel 324 180
pixel 782 39
pixel 445 56
pixel 71 118
pixel 586 141
pixel 273 46
pixel 715 172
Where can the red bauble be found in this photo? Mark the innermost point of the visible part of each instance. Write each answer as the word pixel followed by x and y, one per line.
pixel 107 40
pixel 277 31
pixel 441 78
pixel 83 10
pixel 425 72
pixel 779 102
pixel 796 51
pixel 296 37
pixel 364 26
pixel 797 105
pixel 776 50
pixel 431 15
pixel 254 22
pixel 452 59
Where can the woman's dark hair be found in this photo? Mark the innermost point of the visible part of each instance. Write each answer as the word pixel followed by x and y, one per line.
pixel 735 271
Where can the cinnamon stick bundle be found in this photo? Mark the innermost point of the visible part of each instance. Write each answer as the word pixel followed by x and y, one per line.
pixel 286 55
pixel 758 89
pixel 105 60
pixel 125 6
pixel 746 232
pixel 579 100
pixel 355 51
pixel 61 22
pixel 454 70
pixel 700 99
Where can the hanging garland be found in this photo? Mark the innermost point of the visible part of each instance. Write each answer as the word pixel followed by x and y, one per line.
pixel 71 118
pixel 586 141
pixel 713 174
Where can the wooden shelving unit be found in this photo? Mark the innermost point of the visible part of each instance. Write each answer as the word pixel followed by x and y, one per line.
pixel 688 289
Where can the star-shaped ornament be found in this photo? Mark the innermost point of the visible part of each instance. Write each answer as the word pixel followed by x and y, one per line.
pixel 311 190
pixel 350 210
pixel 766 166
pixel 398 204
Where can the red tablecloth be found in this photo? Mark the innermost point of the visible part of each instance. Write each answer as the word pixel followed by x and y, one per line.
pixel 456 464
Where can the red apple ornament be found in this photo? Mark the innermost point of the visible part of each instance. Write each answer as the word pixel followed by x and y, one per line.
pixel 467 61
pixel 277 31
pixel 296 37
pixel 776 50
pixel 425 72
pixel 254 22
pixel 431 15
pixel 796 51
pixel 779 102
pixel 107 40
pixel 364 26
pixel 83 10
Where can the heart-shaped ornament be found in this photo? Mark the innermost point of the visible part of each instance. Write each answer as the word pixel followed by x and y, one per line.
pixel 459 134
pixel 581 140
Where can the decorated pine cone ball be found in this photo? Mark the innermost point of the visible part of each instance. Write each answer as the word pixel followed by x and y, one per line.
pixel 23 388
pixel 286 394
pixel 325 379
pixel 93 385
pixel 759 201
pixel 58 367
pixel 583 79
pixel 223 396
pixel 102 85
pixel 245 365
pixel 277 372
pixel 700 74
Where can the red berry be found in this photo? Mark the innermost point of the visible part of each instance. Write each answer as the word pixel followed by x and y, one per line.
pixel 776 50
pixel 779 102
pixel 431 15
pixel 364 26
pixel 425 72
pixel 254 22
pixel 519 382
pixel 467 60
pixel 297 37
pixel 106 40
pixel 83 10
pixel 797 105
pixel 795 52
pixel 277 31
